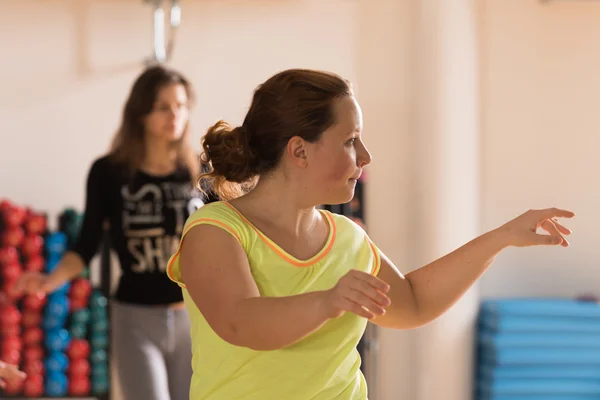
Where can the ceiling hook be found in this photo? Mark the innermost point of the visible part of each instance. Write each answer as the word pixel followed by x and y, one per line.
pixel 163 39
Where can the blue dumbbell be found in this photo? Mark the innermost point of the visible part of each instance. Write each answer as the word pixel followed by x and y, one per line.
pixel 57 339
pixel 56 384
pixel 52 262
pixel 56 362
pixel 58 305
pixel 53 322
pixel 58 294
pixel 63 289
pixel 56 244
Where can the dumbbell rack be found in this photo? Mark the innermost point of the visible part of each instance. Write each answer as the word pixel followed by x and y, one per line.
pixel 105 288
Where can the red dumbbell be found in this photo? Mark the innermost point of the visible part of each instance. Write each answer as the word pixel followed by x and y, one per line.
pixel 33 367
pixel 34 302
pixel 78 348
pixel 5 205
pixel 10 315
pixel 79 367
pixel 79 386
pixel 14 216
pixel 35 223
pixel 32 245
pixel 10 343
pixel 10 356
pixel 78 303
pixel 32 318
pixel 8 255
pixel 10 330
pixel 81 288
pixel 33 386
pixel 13 236
pixel 33 353
pixel 10 320
pixel 11 271
pixel 33 336
pixel 8 294
pixel 35 263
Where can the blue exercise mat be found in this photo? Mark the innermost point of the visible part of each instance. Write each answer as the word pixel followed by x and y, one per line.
pixel 538 349
pixel 538 397
pixel 539 356
pixel 539 339
pixel 541 387
pixel 549 307
pixel 491 324
pixel 489 373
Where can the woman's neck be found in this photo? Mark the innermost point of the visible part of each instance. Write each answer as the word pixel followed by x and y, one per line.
pixel 160 158
pixel 275 199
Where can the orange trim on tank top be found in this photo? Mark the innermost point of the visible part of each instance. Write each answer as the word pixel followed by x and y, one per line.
pixel 377 259
pixel 282 253
pixel 187 229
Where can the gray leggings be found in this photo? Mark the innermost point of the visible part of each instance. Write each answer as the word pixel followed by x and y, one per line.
pixel 153 353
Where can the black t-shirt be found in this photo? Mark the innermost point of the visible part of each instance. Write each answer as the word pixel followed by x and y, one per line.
pixel 145 215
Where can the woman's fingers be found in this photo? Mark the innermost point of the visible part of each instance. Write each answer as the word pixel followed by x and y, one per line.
pixel 358 309
pixel 371 292
pixel 367 302
pixel 561 228
pixel 535 239
pixel 363 294
pixel 522 231
pixel 550 213
pixel 371 280
pixel 547 219
pixel 550 227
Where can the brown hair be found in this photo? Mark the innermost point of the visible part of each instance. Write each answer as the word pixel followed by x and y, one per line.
pixel 127 148
pixel 295 102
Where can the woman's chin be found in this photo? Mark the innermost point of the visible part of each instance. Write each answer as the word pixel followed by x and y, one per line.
pixel 343 196
pixel 173 137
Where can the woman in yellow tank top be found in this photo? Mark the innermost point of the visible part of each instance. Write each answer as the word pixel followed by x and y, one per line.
pixel 279 292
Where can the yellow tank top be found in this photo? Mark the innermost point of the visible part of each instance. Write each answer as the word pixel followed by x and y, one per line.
pixel 324 365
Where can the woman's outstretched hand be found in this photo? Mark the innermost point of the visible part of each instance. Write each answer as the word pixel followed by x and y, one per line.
pixel 358 292
pixel 523 231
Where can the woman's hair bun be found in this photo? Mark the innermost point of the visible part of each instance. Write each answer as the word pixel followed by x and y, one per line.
pixel 227 151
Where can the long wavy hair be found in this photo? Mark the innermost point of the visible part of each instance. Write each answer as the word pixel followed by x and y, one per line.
pixel 127 147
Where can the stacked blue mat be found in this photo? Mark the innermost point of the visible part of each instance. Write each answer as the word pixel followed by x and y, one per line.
pixel 538 349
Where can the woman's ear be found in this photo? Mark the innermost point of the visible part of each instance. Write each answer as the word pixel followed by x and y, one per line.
pixel 297 151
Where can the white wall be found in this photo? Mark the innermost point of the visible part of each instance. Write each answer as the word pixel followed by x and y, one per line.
pixel 541 94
